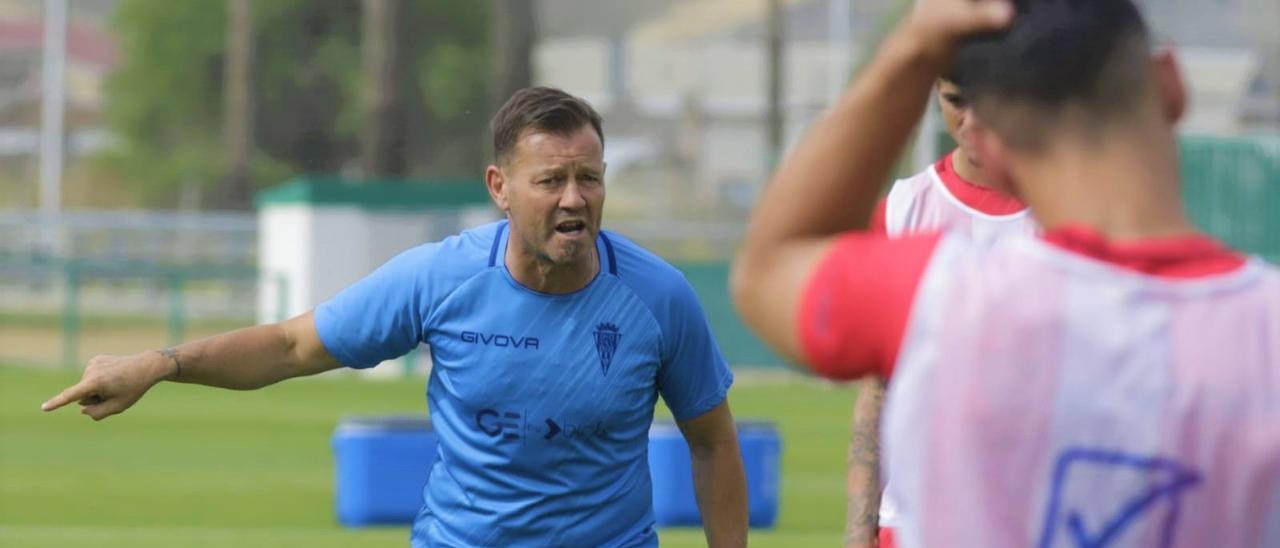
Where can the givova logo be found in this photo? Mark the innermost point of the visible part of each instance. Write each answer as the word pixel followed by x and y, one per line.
pixel 501 341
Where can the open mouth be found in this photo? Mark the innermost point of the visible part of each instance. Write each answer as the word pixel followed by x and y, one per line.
pixel 571 228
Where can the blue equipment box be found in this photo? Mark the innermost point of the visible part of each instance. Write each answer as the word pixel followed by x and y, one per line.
pixel 674 502
pixel 382 466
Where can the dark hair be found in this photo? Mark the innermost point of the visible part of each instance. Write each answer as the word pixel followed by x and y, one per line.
pixel 542 109
pixel 1058 53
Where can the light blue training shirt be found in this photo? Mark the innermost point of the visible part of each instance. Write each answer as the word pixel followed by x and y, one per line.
pixel 541 403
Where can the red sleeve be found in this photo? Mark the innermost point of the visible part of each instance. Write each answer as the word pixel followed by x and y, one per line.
pixel 879 218
pixel 854 309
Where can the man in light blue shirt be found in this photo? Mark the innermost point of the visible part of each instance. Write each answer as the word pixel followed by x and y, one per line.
pixel 551 340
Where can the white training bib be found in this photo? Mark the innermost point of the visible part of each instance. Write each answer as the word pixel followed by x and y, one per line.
pixel 1042 398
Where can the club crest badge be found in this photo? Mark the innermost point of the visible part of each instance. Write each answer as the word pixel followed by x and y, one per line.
pixel 607 336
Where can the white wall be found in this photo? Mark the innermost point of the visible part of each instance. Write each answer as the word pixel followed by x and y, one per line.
pixel 284 252
pixel 318 251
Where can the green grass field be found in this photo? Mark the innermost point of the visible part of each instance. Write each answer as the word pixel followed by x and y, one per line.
pixel 193 466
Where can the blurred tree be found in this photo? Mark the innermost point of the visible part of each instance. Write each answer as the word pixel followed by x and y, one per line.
pixel 165 101
pixel 383 146
pixel 237 120
pixel 162 101
pixel 515 31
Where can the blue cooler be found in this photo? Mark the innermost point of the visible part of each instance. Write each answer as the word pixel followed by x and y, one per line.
pixel 382 466
pixel 674 502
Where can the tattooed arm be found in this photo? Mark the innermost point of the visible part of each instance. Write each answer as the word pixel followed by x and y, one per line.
pixel 863 487
pixel 243 359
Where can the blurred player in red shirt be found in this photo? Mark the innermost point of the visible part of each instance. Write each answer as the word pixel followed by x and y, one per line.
pixel 955 195
pixel 1112 382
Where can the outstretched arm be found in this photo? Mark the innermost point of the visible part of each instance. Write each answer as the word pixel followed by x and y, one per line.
pixel 244 359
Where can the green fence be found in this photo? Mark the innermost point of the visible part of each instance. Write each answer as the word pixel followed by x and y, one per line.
pixel 1232 189
pixel 1231 186
pixel 53 330
pixel 741 348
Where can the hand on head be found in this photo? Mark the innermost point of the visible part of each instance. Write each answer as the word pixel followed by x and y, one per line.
pixel 940 24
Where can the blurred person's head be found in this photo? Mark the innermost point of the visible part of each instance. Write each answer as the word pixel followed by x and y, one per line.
pixel 1067 76
pixel 957 116
pixel 548 174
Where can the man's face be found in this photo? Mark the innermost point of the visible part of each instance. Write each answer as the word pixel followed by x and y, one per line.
pixel 957 114
pixel 552 189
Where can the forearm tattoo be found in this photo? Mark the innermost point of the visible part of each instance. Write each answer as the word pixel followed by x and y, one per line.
pixel 172 354
pixel 862 521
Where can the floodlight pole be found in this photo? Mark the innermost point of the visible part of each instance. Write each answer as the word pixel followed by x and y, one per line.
pixel 52 110
pixel 840 47
pixel 775 35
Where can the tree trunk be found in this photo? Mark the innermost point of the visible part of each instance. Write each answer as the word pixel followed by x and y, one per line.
pixel 383 145
pixel 774 122
pixel 237 122
pixel 514 34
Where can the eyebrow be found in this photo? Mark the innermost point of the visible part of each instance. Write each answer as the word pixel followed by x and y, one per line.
pixel 561 170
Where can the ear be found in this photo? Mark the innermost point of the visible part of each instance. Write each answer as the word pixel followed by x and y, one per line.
pixel 991 153
pixel 496 183
pixel 1170 86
